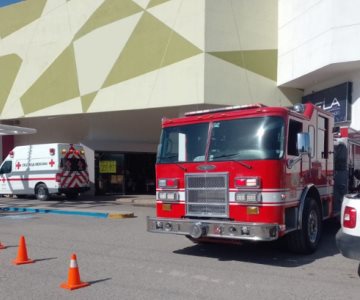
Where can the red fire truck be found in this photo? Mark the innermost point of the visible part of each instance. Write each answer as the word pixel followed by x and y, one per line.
pixel 253 173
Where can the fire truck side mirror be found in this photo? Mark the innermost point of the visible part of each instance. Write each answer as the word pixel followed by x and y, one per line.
pixel 303 143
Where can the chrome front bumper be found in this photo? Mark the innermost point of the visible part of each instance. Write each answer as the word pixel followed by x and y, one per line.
pixel 214 229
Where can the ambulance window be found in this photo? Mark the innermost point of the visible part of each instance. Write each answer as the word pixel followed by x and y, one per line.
pixel 295 127
pixel 6 167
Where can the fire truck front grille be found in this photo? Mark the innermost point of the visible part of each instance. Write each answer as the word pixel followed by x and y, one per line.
pixel 207 195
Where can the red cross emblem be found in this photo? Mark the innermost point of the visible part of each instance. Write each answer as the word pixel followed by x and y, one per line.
pixel 51 163
pixel 18 165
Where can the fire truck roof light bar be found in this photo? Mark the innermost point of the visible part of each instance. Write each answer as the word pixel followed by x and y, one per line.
pixel 222 109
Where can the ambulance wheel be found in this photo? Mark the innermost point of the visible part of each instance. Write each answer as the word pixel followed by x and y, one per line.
pixel 306 240
pixel 41 192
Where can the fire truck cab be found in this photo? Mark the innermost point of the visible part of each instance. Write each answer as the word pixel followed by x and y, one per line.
pixel 251 173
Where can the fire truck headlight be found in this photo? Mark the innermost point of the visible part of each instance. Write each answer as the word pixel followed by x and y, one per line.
pixel 168 196
pixel 248 197
pixel 240 197
pixel 172 196
pixel 162 195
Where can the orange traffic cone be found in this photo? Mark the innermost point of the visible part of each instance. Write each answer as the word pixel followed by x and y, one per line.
pixel 2 246
pixel 74 281
pixel 22 257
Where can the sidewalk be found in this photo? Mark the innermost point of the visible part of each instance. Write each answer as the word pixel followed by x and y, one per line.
pixel 112 206
pixel 141 200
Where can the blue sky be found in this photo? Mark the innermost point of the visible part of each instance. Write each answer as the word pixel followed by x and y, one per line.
pixel 7 2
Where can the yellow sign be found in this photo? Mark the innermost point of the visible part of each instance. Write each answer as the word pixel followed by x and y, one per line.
pixel 107 166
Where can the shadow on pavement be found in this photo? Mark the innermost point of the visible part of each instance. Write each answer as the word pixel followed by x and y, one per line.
pixel 268 253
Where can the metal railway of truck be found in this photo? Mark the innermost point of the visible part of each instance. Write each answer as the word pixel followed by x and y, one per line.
pixel 253 173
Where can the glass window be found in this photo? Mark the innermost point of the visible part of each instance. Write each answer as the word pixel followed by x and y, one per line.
pixel 295 127
pixel 247 139
pixel 312 140
pixel 183 143
pixel 6 167
pixel 322 142
pixel 238 139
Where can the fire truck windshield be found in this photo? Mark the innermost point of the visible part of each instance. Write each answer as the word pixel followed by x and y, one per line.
pixel 237 139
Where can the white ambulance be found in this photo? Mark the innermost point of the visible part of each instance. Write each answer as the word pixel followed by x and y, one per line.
pixel 45 169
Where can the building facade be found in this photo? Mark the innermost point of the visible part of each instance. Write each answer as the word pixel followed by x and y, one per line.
pixel 104 72
pixel 319 53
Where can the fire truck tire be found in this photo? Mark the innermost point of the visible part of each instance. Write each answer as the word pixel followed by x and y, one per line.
pixel 42 192
pixel 306 240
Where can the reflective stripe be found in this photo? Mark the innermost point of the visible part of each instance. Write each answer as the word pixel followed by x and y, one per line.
pixel 268 198
pixel 73 263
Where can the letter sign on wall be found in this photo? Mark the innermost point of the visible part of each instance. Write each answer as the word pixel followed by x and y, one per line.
pixel 336 100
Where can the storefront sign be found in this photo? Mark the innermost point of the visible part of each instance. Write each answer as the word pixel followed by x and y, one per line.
pixel 336 100
pixel 107 166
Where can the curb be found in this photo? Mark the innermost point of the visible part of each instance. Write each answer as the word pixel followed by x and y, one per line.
pixel 120 215
pixel 137 202
pixel 102 215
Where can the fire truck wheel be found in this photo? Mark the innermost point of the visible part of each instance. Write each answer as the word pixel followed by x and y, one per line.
pixel 306 240
pixel 41 192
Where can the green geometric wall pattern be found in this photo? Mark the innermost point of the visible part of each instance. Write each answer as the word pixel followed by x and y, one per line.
pixel 9 67
pixel 152 45
pixel 262 62
pixel 146 40
pixel 15 16
pixel 56 85
pixel 86 101
pixel 153 3
pixel 110 11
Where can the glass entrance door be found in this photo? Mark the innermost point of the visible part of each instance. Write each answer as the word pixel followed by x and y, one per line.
pixel 124 173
